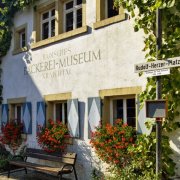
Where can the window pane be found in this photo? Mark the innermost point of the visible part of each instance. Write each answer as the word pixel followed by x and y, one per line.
pixel 53 12
pixel 130 102
pixel 65 113
pixel 45 30
pixel 117 110
pixel 79 2
pixel 22 39
pixel 18 108
pixel 119 106
pixel 53 28
pixel 45 15
pixel 69 21
pixel 79 18
pixel 131 112
pixel 59 112
pixel 111 10
pixel 69 5
pixel 131 121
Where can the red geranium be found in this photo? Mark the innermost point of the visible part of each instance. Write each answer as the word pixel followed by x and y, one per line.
pixel 51 138
pixel 11 134
pixel 111 142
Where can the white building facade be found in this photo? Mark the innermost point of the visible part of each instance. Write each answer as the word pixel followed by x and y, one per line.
pixel 73 61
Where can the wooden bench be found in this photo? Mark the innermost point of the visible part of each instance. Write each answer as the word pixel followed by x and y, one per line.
pixel 66 160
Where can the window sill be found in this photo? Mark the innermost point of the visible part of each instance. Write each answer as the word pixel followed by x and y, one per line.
pixel 60 37
pixel 109 21
pixel 20 50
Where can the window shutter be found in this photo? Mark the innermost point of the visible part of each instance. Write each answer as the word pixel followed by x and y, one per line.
pixel 141 118
pixel 41 116
pixel 73 117
pixel 4 115
pixel 94 114
pixel 27 118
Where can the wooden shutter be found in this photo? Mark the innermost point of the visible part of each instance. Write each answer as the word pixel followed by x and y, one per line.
pixel 27 118
pixel 41 115
pixel 73 117
pixel 94 114
pixel 4 115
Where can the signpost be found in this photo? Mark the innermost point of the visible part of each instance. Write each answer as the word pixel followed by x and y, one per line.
pixel 159 72
pixel 156 65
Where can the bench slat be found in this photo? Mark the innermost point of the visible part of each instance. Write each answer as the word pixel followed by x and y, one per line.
pixel 51 158
pixel 58 154
pixel 41 167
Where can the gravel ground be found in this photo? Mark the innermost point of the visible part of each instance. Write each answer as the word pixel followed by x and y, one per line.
pixel 31 175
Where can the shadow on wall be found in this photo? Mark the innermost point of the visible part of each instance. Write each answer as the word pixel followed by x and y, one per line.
pixel 175 145
pixel 17 82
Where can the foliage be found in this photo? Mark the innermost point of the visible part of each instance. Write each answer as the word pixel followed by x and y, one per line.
pixel 97 174
pixel 4 156
pixel 11 134
pixel 144 157
pixel 7 11
pixel 111 143
pixel 136 160
pixel 52 138
pixel 144 14
pixel 4 162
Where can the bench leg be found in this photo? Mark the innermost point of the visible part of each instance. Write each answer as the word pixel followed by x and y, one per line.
pixel 75 174
pixel 60 176
pixel 9 170
pixel 25 170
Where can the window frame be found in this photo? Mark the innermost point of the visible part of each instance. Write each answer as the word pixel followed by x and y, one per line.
pixel 13 103
pixel 101 15
pixel 59 23
pixel 49 20
pixel 51 100
pixel 74 10
pixel 18 31
pixel 21 38
pixel 124 98
pixel 106 10
pixel 16 111
pixel 63 120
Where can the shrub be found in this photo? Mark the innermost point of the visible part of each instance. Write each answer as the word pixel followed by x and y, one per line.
pixel 51 138
pixel 11 134
pixel 111 143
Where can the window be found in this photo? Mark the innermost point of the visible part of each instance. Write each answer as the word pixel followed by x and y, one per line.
pixel 20 39
pixel 107 14
pixel 61 107
pixel 48 24
pixel 72 15
pixel 57 107
pixel 18 112
pixel 54 19
pixel 120 103
pixel 22 36
pixel 125 108
pixel 60 112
